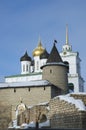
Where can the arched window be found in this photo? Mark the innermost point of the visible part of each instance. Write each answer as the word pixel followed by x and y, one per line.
pixel 71 87
pixel 67 64
pixel 50 71
pixel 23 68
pixel 26 67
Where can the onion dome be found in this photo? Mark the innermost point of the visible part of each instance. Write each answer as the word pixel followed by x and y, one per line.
pixel 44 55
pixel 25 57
pixel 39 50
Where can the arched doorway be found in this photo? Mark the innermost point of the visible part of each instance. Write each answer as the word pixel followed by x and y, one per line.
pixel 43 118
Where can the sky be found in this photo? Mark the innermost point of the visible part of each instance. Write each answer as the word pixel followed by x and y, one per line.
pixel 22 22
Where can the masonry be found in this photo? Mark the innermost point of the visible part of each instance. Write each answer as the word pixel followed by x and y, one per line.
pixel 5 115
pixel 61 113
pixel 66 115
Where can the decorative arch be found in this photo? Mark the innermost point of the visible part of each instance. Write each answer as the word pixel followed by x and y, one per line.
pixel 43 118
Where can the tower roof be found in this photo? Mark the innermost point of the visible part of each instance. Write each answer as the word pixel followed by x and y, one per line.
pixel 67 47
pixel 44 55
pixel 25 57
pixel 54 55
pixel 38 50
pixel 67 40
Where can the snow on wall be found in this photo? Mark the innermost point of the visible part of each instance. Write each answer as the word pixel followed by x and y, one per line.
pixel 78 103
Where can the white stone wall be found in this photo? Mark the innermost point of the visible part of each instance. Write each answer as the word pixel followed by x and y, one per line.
pixel 23 78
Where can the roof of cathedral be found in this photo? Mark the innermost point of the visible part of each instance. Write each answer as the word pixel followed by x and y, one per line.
pixel 44 55
pixel 38 50
pixel 54 56
pixel 25 57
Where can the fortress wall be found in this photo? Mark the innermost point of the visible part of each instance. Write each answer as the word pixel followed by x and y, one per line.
pixel 66 115
pixel 57 75
pixel 5 116
pixel 29 97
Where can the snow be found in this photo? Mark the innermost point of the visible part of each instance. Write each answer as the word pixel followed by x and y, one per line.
pixel 25 125
pixel 27 83
pixel 44 103
pixel 32 124
pixel 48 108
pixel 79 93
pixel 78 103
pixel 46 123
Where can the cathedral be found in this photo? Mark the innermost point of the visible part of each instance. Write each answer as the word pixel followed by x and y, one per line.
pixel 31 69
pixel 43 77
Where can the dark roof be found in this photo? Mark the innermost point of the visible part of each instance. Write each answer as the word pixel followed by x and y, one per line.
pixel 25 57
pixel 44 55
pixel 54 55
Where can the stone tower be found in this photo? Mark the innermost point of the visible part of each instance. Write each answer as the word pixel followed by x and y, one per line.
pixel 55 70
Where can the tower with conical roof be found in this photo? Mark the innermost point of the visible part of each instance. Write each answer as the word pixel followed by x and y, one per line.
pixel 55 71
pixel 73 60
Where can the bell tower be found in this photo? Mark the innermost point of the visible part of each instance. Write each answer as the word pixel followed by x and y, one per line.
pixel 73 60
pixel 67 47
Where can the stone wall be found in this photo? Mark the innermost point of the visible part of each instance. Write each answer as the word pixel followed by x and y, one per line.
pixel 30 97
pixel 81 96
pixel 66 115
pixel 5 116
pixel 61 113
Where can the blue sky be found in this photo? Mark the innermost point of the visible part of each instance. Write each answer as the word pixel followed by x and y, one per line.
pixel 23 21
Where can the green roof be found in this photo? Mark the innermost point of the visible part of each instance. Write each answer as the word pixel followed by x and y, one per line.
pixel 23 75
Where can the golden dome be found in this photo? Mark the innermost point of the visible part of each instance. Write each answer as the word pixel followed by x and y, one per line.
pixel 39 50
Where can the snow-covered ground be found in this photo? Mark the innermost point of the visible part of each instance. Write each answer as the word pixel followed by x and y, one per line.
pixel 31 125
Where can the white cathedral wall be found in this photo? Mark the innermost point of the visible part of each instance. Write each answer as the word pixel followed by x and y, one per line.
pixel 36 64
pixel 71 59
pixel 25 67
pixel 43 62
pixel 23 78
pixel 75 81
pixel 74 72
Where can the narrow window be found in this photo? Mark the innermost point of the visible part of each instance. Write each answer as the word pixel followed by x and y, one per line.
pixel 23 68
pixel 26 67
pixel 29 89
pixel 50 71
pixel 44 87
pixel 37 65
pixel 14 90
